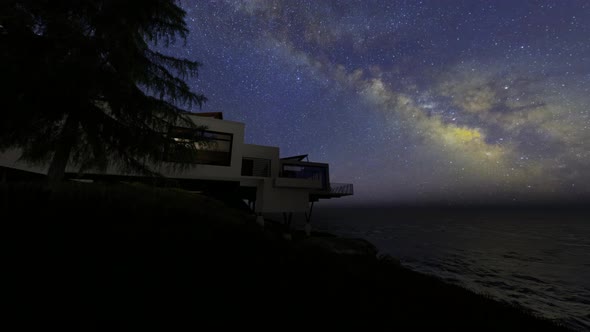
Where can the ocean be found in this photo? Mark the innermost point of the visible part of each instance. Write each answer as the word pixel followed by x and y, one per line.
pixel 537 259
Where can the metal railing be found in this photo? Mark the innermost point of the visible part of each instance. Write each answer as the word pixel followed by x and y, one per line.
pixel 255 167
pixel 340 189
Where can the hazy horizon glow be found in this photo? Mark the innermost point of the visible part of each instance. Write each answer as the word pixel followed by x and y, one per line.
pixel 412 101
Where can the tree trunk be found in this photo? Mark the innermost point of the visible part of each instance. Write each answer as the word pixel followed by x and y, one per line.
pixel 61 156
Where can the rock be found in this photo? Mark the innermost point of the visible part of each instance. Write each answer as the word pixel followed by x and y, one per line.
pixel 388 259
pixel 343 246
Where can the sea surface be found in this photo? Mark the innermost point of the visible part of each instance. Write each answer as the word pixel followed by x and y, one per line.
pixel 534 258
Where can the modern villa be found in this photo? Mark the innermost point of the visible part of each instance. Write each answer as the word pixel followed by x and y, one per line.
pixel 269 183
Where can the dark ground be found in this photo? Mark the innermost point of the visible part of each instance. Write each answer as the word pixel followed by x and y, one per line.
pixel 105 257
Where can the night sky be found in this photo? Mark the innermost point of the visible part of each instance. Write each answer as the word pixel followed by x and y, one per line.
pixel 412 101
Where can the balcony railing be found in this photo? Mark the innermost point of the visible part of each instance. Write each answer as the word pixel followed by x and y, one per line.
pixel 339 189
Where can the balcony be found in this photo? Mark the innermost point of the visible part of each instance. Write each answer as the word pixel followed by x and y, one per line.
pixel 343 189
pixel 333 190
pixel 296 174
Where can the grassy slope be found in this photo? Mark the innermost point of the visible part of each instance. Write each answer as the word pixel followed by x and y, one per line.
pixel 95 252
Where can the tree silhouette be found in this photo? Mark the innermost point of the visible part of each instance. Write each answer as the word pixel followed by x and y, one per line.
pixel 83 86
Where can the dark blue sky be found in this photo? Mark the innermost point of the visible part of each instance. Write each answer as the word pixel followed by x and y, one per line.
pixel 410 100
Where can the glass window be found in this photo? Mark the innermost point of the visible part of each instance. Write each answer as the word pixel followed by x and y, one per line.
pixel 213 148
pixel 255 167
pixel 304 172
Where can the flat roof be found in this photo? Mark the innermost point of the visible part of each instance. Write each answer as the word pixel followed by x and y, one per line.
pixel 298 158
pixel 216 115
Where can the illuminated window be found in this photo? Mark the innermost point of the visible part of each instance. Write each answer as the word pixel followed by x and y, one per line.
pixel 213 148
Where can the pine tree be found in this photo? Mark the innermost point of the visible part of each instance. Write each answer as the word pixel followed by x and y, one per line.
pixel 84 87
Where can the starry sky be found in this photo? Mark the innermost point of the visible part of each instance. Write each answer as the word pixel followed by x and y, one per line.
pixel 412 101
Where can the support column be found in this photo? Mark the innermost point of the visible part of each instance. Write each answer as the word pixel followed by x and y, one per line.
pixel 287 217
pixel 308 220
pixel 260 219
pixel 252 205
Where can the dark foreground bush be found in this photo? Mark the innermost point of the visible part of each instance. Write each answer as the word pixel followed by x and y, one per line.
pixel 126 256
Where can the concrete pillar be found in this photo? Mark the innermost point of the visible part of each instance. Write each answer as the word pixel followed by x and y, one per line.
pixel 287 217
pixel 308 220
pixel 260 220
pixel 308 228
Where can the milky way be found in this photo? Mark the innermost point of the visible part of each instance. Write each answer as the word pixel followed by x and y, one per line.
pixel 411 101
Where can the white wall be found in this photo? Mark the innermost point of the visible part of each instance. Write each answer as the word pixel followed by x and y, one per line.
pixel 214 172
pixel 271 199
pixel 10 157
pixel 264 152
